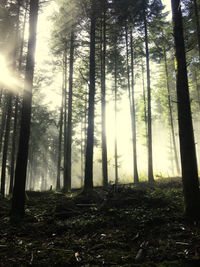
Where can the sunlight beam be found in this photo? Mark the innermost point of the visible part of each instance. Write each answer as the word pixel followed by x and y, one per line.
pixel 7 79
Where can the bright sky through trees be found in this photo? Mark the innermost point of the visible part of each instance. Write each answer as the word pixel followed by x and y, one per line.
pixel 52 96
pixel 124 128
pixel 6 76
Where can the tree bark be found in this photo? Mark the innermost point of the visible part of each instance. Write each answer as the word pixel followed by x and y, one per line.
pixel 65 111
pixel 116 148
pixel 150 154
pixel 14 137
pixel 82 150
pixel 3 122
pixel 145 103
pixel 197 24
pixel 88 180
pixel 136 177
pixel 186 134
pixel 18 200
pixel 171 114
pixel 103 99
pixel 1 94
pixel 67 173
pixel 59 145
pixel 6 141
pixel 13 151
pixel 131 103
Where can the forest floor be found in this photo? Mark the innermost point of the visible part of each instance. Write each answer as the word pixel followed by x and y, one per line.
pixel 132 225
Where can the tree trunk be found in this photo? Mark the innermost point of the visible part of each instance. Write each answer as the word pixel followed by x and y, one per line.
pixel 171 115
pixel 82 150
pixel 136 178
pixel 197 86
pixel 18 201
pixel 1 94
pixel 135 172
pixel 67 173
pixel 116 148
pixel 103 99
pixel 59 146
pixel 65 111
pixel 88 181
pixel 13 151
pixel 145 103
pixel 186 134
pixel 150 154
pixel 6 142
pixel 14 137
pixel 3 122
pixel 197 24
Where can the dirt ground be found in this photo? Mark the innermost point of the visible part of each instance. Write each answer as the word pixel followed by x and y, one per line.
pixel 133 225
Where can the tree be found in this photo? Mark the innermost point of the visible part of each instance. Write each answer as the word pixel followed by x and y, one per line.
pixel 88 180
pixel 15 130
pixel 150 156
pixel 186 135
pixel 171 113
pixel 12 56
pixel 6 141
pixel 67 169
pixel 59 146
pixel 103 95
pixel 197 24
pixel 18 200
pixel 130 86
pixel 3 121
pixel 136 178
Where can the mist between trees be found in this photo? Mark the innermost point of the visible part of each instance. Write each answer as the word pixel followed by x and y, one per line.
pixel 100 98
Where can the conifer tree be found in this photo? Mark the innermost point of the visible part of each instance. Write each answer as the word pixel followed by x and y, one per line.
pixel 18 200
pixel 88 180
pixel 186 135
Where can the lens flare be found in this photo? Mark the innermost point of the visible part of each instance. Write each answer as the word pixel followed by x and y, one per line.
pixel 7 78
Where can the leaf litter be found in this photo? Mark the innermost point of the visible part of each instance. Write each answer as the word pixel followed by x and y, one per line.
pixel 131 225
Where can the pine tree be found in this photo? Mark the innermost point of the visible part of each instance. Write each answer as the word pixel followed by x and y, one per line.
pixel 88 181
pixel 186 135
pixel 18 200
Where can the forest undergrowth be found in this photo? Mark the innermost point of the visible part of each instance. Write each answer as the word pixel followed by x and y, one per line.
pixel 132 225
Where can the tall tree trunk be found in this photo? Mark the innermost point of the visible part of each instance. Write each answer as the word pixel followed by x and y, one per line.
pixel 6 142
pixel 59 146
pixel 186 134
pixel 171 114
pixel 14 137
pixel 116 148
pixel 18 200
pixel 3 122
pixel 145 102
pixel 135 172
pixel 82 149
pixel 67 174
pixel 1 95
pixel 88 180
pixel 30 169
pixel 136 178
pixel 65 112
pixel 103 99
pixel 197 86
pixel 150 154
pixel 85 132
pixel 197 24
pixel 13 151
